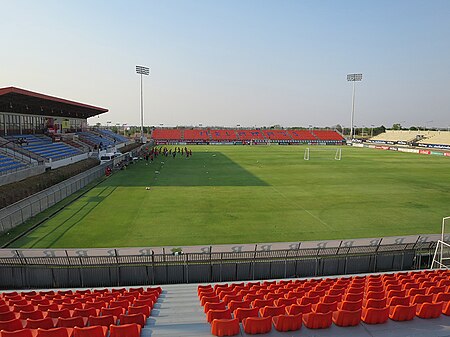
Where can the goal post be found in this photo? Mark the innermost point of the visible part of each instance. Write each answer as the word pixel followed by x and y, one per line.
pixel 441 258
pixel 328 153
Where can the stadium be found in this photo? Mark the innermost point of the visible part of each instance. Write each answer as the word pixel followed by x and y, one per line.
pixel 238 204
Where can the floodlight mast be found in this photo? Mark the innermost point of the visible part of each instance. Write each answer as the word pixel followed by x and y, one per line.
pixel 141 70
pixel 353 78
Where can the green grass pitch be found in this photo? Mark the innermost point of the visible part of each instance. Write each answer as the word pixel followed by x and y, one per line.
pixel 250 194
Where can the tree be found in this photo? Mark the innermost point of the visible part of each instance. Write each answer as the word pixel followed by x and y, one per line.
pixel 397 126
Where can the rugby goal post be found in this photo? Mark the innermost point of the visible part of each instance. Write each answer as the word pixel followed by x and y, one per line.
pixel 441 258
pixel 337 155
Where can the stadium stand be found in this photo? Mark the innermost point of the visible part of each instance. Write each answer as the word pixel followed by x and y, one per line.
pixel 95 140
pixel 223 135
pixel 398 136
pixel 44 147
pixel 248 135
pixel 8 164
pixel 113 135
pixel 437 138
pixel 327 135
pixel 167 135
pixel 196 135
pixel 280 135
pixel 317 303
pixel 302 135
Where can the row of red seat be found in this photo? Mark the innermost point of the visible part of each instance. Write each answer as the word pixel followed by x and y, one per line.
pixel 126 330
pixel 245 135
pixel 317 303
pixel 67 309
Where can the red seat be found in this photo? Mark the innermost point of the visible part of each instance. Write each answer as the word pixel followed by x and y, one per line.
pixel 285 323
pixel 55 332
pixel 142 309
pixel 350 305
pixel 435 290
pixel 347 317
pixel 375 315
pixel 331 298
pixel 127 330
pixel 96 305
pixel 317 320
pixel 133 318
pixel 257 325
pixel 262 303
pixel 324 307
pixel 209 299
pixel 241 313
pixel 285 301
pixel 47 307
pixel 17 333
pixel 214 306
pixel 104 320
pixel 402 312
pixel 270 311
pixel 295 309
pixel 354 297
pixel 375 303
pixel 65 313
pixel 308 300
pixel 112 311
pixel 43 323
pixel 218 314
pixel 375 295
pixel 85 312
pixel 233 305
pixel 8 315
pixel 414 291
pixel 429 310
pixel 419 299
pixel 295 294
pixel 398 301
pixel 442 297
pixel 121 304
pixel 225 327
pixel 11 325
pixel 90 331
pixel 396 293
pixel 70 322
pixel 72 306
pixel 24 307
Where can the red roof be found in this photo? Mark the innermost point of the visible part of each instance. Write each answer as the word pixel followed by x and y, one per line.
pixel 18 100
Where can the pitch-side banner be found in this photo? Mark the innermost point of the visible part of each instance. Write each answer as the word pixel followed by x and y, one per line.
pixel 259 247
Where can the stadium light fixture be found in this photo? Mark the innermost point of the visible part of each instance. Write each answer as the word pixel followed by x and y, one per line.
pixel 141 70
pixel 353 78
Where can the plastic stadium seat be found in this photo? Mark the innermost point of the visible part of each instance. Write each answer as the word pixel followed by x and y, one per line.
pixel 96 305
pixel 324 307
pixel 285 301
pixel 375 295
pixel 214 306
pixel 225 327
pixel 331 298
pixel 419 299
pixel 105 320
pixel 133 318
pixel 24 307
pixel 347 317
pixel 285 323
pixel 127 330
pixel 252 297
pixel 70 322
pixel 257 325
pixel 20 301
pixel 35 314
pixel 435 290
pixel 295 309
pixel 262 303
pixel 218 314
pixel 17 333
pixel 375 315
pixel 47 307
pixel 375 288
pixel 210 299
pixel 308 300
pixel 85 312
pixel 142 309
pixel 295 294
pixel 270 311
pixel 147 301
pixel 11 325
pixel 241 313
pixel 414 291
pixel 429 310
pixel 90 331
pixel 121 304
pixel 43 323
pixel 233 305
pixel 55 332
pixel 354 297
pixel 8 315
pixel 375 303
pixel 64 313
pixel 402 312
pixel 350 305
pixel 112 311
pixel 316 320
pixel 398 301
pixel 228 298
pixel 72 306
pixel 274 296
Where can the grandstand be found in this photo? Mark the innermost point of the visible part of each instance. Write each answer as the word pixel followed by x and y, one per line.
pixel 246 136
pixel 8 164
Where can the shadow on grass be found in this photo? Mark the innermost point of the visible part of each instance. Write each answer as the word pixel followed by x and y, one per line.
pixel 202 169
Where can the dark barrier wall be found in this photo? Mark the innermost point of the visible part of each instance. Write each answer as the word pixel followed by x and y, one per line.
pixel 20 272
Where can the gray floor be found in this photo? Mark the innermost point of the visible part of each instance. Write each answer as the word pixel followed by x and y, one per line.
pixel 178 313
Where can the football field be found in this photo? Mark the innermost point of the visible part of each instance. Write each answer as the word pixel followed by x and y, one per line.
pixel 251 194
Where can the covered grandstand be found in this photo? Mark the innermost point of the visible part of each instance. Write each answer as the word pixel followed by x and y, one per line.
pixel 38 130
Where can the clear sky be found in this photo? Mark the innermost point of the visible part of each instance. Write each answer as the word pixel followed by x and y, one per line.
pixel 247 62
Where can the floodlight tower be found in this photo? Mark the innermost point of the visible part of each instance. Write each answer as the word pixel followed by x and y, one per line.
pixel 353 78
pixel 141 70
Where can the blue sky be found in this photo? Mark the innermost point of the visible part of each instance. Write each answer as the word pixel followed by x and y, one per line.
pixel 236 62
